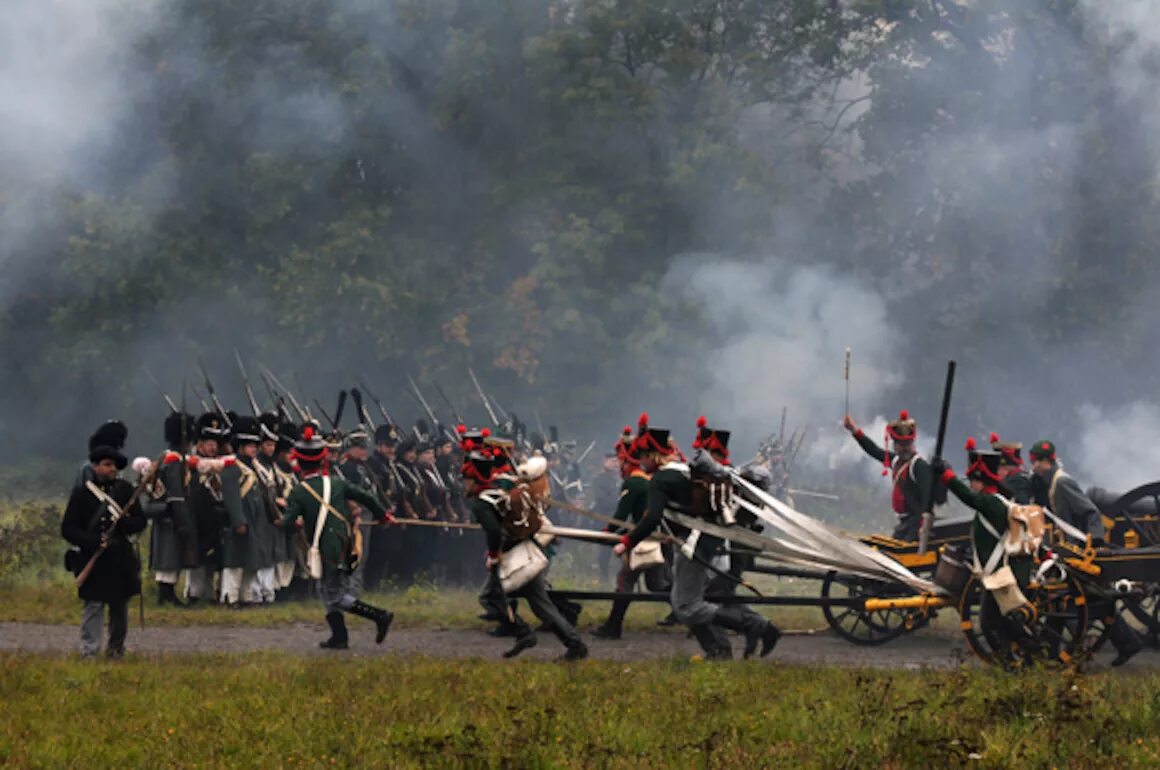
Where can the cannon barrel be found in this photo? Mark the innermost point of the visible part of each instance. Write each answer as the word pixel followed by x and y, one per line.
pixel 1106 500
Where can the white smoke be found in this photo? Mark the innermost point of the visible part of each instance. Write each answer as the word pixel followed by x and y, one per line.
pixel 783 333
pixel 1118 449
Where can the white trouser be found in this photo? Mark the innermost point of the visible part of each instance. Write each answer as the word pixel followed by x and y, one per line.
pixel 260 586
pixel 231 592
pixel 168 576
pixel 198 583
pixel 284 574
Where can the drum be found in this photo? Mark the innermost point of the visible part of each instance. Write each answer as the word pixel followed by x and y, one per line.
pixel 952 571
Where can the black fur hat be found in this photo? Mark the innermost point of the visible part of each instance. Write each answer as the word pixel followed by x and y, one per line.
pixel 246 430
pixel 211 426
pixel 112 434
pixel 179 430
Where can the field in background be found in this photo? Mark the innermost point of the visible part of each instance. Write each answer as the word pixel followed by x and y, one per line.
pixel 264 711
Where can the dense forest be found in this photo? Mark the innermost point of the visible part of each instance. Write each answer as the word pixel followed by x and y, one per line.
pixel 600 205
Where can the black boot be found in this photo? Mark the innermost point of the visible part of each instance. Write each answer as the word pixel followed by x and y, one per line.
pixel 710 644
pixel 167 594
pixel 607 631
pixel 338 638
pixel 755 628
pixel 525 641
pixel 382 618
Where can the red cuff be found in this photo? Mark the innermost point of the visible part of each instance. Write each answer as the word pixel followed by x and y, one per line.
pixel 625 540
pixel 858 433
pixel 948 476
pixel 493 554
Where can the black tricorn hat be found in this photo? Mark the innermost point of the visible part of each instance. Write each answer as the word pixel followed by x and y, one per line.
pixel 179 429
pixel 99 453
pixel 246 430
pixel 112 434
pixel 210 426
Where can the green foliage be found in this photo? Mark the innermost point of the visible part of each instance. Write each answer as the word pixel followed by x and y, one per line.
pixel 31 549
pixel 255 711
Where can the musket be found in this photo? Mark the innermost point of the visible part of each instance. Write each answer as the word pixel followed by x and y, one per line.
pixel 197 395
pixel 382 409
pixel 160 389
pixel 246 384
pixel 539 423
pixel 322 411
pixel 504 414
pixel 483 398
pixel 801 440
pixel 422 401
pixel 781 430
pixel 117 513
pixel 303 413
pixel 584 454
pixel 454 412
pixel 275 399
pixel 213 395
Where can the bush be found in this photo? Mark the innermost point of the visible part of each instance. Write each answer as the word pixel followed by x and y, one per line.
pixel 31 548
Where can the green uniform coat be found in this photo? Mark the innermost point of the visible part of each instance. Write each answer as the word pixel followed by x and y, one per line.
pixel 335 543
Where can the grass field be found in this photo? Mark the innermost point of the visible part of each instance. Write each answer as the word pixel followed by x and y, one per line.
pixel 254 711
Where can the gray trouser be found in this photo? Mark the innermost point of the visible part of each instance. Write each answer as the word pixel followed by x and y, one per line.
pixel 93 626
pixel 688 599
pixel 338 591
pixel 535 593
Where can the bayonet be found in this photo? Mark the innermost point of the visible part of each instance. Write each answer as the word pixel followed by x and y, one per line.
pixel 454 412
pixel 304 414
pixel 483 398
pixel 584 454
pixel 322 411
pixel 382 409
pixel 213 394
pixel 198 396
pixel 160 389
pixel 246 384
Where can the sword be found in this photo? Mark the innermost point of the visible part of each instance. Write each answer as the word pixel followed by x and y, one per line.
pixel 847 380
pixel 160 389
pixel 483 398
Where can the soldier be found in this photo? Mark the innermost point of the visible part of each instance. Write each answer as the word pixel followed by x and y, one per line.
pixel 173 546
pixel 910 473
pixel 382 465
pixel 276 483
pixel 986 497
pixel 671 486
pixel 415 506
pixel 206 507
pixel 1061 494
pixel 88 525
pixel 605 497
pixel 260 511
pixel 631 507
pixel 355 470
pixel 320 506
pixel 1015 479
pixel 236 483
pixel 488 505
pixel 112 434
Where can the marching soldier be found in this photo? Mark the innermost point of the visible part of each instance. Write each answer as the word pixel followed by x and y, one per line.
pixel 93 523
pixel 910 473
pixel 1014 478
pixel 276 482
pixel 206 507
pixel 173 544
pixel 237 522
pixel 672 487
pixel 320 507
pixel 260 510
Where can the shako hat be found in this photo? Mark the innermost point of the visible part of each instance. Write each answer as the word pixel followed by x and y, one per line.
pixel 711 439
pixel 359 437
pixel 210 426
pixel 902 429
pixel 310 446
pixel 650 439
pixel 1009 451
pixel 478 466
pixel 387 434
pixel 246 430
pixel 982 464
pixel 268 426
pixel 179 429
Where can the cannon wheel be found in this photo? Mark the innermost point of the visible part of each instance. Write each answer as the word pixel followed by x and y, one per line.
pixel 1059 633
pixel 858 626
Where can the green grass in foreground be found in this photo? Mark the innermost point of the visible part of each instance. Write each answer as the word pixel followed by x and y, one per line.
pixel 252 711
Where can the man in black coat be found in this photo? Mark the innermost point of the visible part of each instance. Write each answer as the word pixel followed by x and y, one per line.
pixel 94 524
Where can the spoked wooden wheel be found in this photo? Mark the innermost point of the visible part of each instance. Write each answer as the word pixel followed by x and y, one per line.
pixel 856 625
pixel 1059 632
